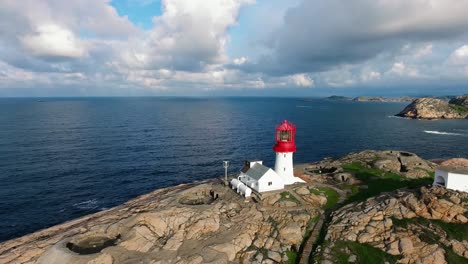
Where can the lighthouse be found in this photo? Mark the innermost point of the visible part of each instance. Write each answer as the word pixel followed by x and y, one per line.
pixel 285 147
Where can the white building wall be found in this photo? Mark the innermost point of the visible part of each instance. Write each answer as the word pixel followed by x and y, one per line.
pixel 440 176
pixel 272 177
pixel 453 181
pixel 458 182
pixel 284 167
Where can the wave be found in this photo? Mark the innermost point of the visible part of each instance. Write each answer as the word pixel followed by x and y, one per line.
pixel 87 205
pixel 304 106
pixel 442 133
pixel 394 116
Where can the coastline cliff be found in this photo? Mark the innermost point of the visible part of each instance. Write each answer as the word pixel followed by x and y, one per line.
pixel 370 201
pixel 433 108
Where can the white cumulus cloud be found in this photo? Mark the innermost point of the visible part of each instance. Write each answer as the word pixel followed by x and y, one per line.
pixel 53 41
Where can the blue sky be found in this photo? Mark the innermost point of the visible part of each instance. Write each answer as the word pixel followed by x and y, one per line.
pixel 140 12
pixel 233 47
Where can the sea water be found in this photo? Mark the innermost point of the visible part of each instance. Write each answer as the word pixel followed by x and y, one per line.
pixel 63 158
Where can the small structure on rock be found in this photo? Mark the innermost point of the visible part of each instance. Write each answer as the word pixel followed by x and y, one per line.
pixel 257 176
pixel 452 177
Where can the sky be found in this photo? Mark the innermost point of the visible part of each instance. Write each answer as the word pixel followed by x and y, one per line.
pixel 233 47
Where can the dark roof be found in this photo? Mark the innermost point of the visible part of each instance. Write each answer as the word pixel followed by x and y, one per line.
pixel 257 171
pixel 453 169
pixel 245 168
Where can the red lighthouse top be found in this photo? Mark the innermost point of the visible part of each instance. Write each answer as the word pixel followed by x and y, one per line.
pixel 284 137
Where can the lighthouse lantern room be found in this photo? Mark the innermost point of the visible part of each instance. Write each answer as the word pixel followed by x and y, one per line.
pixel 285 147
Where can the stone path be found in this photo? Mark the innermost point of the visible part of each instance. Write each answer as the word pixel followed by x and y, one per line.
pixel 309 244
pixel 307 250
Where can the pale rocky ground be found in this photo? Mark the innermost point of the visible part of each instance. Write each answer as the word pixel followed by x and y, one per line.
pixel 405 163
pixel 371 222
pixel 183 224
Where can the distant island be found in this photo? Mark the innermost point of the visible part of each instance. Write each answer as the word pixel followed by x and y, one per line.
pixel 371 99
pixel 434 108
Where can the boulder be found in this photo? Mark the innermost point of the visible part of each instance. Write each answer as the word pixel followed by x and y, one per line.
pixel 291 234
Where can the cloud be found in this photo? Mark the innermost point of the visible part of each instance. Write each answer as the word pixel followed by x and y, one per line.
pixel 302 80
pixel 188 47
pixel 319 35
pixel 53 41
pixel 188 36
pixel 460 56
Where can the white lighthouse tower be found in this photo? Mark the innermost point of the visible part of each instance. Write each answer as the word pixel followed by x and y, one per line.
pixel 285 147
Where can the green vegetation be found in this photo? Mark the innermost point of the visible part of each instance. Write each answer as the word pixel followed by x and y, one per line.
pixel 292 257
pixel 379 181
pixel 286 196
pixel 331 194
pixel 315 219
pixel 459 109
pixel 453 231
pixel 429 173
pixel 365 253
pixel 354 188
pixel 315 191
pixel 332 197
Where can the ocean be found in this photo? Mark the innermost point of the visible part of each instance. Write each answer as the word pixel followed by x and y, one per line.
pixel 62 158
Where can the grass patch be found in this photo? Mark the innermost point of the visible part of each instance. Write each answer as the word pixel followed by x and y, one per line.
pixel 379 181
pixel 353 188
pixel 315 191
pixel 286 196
pixel 459 109
pixel 315 219
pixel 331 194
pixel 332 197
pixel 292 257
pixel 365 253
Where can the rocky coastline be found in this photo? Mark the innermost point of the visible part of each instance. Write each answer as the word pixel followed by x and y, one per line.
pixel 377 201
pixel 433 108
pixel 371 99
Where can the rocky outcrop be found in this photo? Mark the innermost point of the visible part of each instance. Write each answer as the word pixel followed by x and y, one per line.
pixel 432 108
pixel 460 100
pixel 382 99
pixel 377 221
pixel 404 163
pixel 194 223
pixel 455 162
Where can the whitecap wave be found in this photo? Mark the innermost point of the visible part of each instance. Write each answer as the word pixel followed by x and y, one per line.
pixel 87 205
pixel 303 106
pixel 435 132
pixel 394 116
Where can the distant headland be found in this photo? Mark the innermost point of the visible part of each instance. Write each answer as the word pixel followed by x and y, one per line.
pixel 434 108
pixel 371 98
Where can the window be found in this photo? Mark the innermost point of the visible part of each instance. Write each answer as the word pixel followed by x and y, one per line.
pixel 284 169
pixel 270 183
pixel 284 136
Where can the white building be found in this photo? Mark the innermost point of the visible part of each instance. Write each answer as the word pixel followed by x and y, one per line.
pixel 454 178
pixel 259 177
